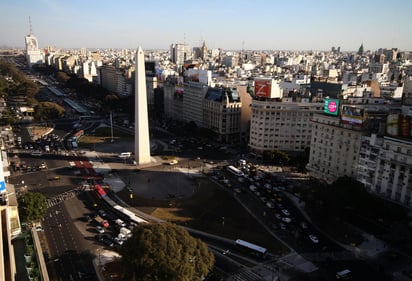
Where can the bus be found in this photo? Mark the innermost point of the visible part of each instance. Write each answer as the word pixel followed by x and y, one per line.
pixel 251 248
pixel 345 274
pixel 235 171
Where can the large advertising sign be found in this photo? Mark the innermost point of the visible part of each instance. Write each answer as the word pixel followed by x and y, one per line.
pixel 331 107
pixel 352 115
pixel 263 88
pixel 399 125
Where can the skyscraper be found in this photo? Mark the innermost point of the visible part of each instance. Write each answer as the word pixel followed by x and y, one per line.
pixel 141 138
pixel 33 54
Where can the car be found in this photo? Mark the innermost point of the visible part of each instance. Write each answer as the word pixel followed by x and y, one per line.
pixel 278 216
pixel 285 212
pixel 118 241
pixel 100 229
pixel 99 238
pixel 270 205
pixel 108 242
pixel 102 213
pixel 314 239
pixel 303 225
pixel 282 226
pixel 173 162
pixel 119 222
pixel 286 219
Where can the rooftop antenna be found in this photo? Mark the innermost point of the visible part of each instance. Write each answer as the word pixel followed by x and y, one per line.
pixel 31 31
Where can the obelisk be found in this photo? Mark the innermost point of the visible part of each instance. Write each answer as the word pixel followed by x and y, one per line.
pixel 141 137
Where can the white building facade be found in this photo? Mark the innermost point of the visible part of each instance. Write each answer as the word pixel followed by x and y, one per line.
pixel 33 54
pixel 334 149
pixel 282 125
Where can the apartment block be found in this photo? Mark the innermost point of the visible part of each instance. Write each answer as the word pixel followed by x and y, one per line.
pixel 385 167
pixel 221 113
pixel 392 176
pixel 282 125
pixel 193 98
pixel 334 148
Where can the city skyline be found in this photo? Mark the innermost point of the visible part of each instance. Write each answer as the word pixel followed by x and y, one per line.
pixel 229 25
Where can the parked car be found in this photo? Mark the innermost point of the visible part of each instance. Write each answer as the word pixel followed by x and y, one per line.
pixel 286 219
pixel 285 212
pixel 100 229
pixel 313 238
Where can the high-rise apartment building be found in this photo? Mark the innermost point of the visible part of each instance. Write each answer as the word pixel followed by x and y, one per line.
pixel 282 125
pixel 193 99
pixel 385 167
pixel 33 54
pixel 221 113
pixel 334 148
pixel 179 53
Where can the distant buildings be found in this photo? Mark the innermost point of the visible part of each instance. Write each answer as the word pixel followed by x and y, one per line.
pixel 276 100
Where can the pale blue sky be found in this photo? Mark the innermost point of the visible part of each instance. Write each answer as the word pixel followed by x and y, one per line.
pixel 226 24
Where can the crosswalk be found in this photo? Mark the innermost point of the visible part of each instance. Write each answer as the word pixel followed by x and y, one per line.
pixel 63 197
pixel 246 275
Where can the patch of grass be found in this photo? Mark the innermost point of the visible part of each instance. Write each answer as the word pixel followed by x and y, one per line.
pixel 102 134
pixel 211 209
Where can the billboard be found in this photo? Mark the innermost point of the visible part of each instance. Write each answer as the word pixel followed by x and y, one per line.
pixel 263 88
pixel 331 107
pixel 2 187
pixel 352 115
pixel 399 125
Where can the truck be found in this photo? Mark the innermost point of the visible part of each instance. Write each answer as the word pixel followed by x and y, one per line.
pixel 101 221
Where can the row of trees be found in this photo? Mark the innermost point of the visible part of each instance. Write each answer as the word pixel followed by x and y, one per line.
pixel 277 157
pixel 21 89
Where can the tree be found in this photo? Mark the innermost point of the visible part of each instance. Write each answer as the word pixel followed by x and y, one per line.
pixel 32 206
pixel 8 117
pixel 163 251
pixel 62 77
pixel 47 111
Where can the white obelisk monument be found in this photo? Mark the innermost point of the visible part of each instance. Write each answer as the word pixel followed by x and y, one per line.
pixel 141 134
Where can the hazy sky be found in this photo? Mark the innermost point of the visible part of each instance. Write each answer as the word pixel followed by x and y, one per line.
pixel 226 24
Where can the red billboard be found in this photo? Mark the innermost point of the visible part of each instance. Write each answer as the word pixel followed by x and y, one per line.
pixel 263 88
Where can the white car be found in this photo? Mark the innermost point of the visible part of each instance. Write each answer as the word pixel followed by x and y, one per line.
pixel 270 205
pixel 314 238
pixel 286 219
pixel 118 241
pixel 100 229
pixel 285 212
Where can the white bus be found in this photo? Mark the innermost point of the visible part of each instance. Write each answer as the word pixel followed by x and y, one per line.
pixel 251 248
pixel 235 171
